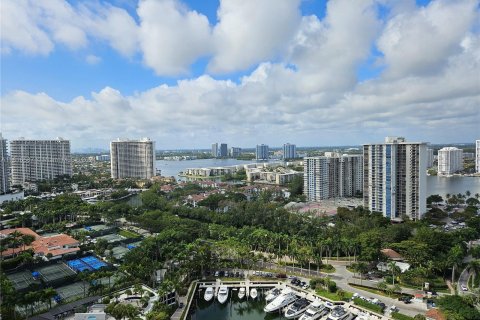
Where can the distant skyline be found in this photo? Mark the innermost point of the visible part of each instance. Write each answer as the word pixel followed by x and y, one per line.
pixel 189 73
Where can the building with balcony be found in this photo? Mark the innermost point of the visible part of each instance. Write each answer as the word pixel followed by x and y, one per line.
pixel 4 166
pixel 394 178
pixel 332 176
pixel 450 161
pixel 261 152
pixel 38 160
pixel 132 159
pixel 289 151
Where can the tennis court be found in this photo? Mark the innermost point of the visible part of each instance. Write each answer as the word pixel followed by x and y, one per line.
pixel 79 265
pixel 119 252
pixel 55 272
pixel 74 290
pixel 110 238
pixel 22 280
pixel 93 262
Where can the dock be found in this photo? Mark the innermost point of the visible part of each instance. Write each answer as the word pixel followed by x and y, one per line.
pixel 247 284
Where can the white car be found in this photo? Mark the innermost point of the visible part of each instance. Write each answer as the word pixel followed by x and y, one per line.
pixel 464 288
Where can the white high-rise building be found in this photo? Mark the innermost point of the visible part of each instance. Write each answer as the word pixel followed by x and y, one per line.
pixel 430 157
pixel 450 160
pixel 262 152
pixel 394 178
pixel 4 166
pixel 477 155
pixel 37 160
pixel 214 150
pixel 132 159
pixel 289 151
pixel 332 176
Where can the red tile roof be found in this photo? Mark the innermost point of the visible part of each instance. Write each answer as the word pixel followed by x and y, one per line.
pixel 56 245
pixel 391 254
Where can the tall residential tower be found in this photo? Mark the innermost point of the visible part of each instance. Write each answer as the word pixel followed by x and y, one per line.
pixel 261 152
pixel 4 166
pixel 289 151
pixel 394 178
pixel 132 159
pixel 37 160
pixel 450 160
pixel 332 176
pixel 477 155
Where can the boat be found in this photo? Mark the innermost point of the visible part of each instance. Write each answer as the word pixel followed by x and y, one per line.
pixel 241 293
pixel 297 308
pixel 222 294
pixel 315 311
pixel 208 295
pixel 338 313
pixel 272 294
pixel 280 302
pixel 253 293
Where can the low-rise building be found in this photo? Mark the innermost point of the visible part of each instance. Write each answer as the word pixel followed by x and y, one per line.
pixel 51 247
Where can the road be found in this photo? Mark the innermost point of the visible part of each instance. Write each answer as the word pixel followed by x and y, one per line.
pixel 463 281
pixel 342 277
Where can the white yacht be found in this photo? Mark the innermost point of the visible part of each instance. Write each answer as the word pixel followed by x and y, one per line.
pixel 315 311
pixel 272 294
pixel 297 308
pixel 208 295
pixel 280 302
pixel 338 313
pixel 241 293
pixel 253 293
pixel 222 294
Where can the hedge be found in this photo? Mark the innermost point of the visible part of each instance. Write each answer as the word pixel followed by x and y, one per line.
pixel 400 316
pixel 368 305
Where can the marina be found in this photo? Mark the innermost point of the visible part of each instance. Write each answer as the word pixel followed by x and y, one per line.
pixel 234 300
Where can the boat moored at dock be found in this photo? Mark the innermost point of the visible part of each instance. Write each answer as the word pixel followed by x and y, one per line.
pixel 209 292
pixel 281 301
pixel 222 294
pixel 296 309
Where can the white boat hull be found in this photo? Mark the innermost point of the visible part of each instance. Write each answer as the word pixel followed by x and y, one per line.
pixel 222 294
pixel 253 293
pixel 208 294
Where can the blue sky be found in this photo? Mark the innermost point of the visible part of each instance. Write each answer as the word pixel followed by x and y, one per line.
pixel 326 60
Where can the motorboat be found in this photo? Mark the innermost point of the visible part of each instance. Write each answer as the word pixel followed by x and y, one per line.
pixel 272 294
pixel 338 313
pixel 280 302
pixel 208 295
pixel 297 308
pixel 253 293
pixel 222 294
pixel 241 293
pixel 315 311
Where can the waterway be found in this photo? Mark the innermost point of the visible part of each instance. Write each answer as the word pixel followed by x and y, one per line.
pixel 171 168
pixel 452 185
pixel 234 309
pixel 435 184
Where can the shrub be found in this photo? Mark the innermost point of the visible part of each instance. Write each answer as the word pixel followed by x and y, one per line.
pixel 368 305
pixel 399 316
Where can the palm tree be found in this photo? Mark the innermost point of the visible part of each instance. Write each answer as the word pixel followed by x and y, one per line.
pixel 49 293
pixel 474 266
pixel 394 269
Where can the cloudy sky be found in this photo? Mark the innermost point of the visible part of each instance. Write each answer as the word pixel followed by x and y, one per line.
pixel 189 73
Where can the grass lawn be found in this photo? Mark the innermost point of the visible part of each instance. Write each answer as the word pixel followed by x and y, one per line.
pixel 376 291
pixel 128 234
pixel 333 296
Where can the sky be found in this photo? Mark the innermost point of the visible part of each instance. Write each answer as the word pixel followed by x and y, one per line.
pixel 190 73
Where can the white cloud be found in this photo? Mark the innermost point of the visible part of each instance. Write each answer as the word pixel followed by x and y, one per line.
pixel 420 41
pixel 304 88
pixel 19 31
pixel 171 36
pixel 92 59
pixel 250 31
